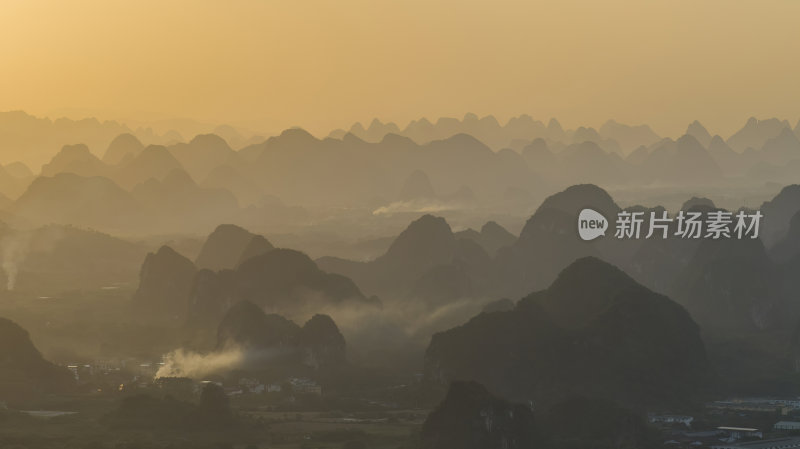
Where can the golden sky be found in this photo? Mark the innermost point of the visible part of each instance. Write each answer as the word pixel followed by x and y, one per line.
pixel 322 64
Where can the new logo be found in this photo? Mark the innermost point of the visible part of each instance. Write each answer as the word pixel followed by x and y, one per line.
pixel 591 224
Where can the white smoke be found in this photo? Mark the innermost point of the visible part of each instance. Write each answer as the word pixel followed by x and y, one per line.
pixel 183 363
pixel 195 365
pixel 16 245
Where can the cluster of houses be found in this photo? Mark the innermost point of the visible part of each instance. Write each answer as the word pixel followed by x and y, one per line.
pixel 119 375
pixel 784 434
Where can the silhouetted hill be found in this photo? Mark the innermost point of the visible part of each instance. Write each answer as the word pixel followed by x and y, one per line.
pixel 23 372
pixel 176 202
pixel 67 198
pixel 628 137
pixel 75 159
pixel 587 162
pixel 233 180
pixel 123 148
pixel 470 417
pixel 258 245
pixel 755 133
pixel 228 246
pixel 155 161
pixel 728 160
pixel 54 258
pixel 426 243
pixel 789 246
pixel 782 148
pixel 18 170
pixel 699 132
pixel 14 179
pixel 492 237
pixel 594 332
pixel 141 412
pixel 417 186
pixel 165 282
pixel 731 285
pixel 548 242
pixel 778 212
pixel 202 154
pixel 322 343
pixel 247 326
pixel 695 202
pixel 280 280
pixel 271 338
pixel 683 160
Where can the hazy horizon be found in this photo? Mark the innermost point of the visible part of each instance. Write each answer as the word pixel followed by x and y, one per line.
pixel 270 66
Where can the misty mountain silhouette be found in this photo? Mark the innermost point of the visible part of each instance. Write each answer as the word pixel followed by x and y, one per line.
pixel 732 285
pixel 271 338
pixel 258 245
pixel 550 231
pixel 246 325
pixel 470 417
pixel 75 159
pixel 778 212
pixel 467 275
pixel 228 178
pixel 165 283
pixel 789 246
pixel 593 332
pixel 123 148
pixel 228 246
pixel 14 179
pixel 728 160
pixel 155 161
pixel 55 258
pixel 18 170
pixel 202 154
pixel 695 202
pixel 683 160
pixel 281 280
pixel 23 372
pixel 176 200
pixel 492 237
pixel 755 133
pixel 71 199
pixel 699 132
pixel 417 187
pixel 782 148
pixel 628 137
pixel 426 243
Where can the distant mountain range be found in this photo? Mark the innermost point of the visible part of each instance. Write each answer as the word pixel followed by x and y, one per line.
pixel 287 178
pixel 33 140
